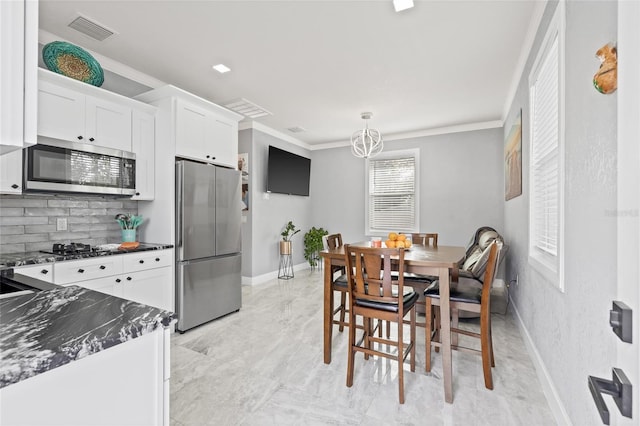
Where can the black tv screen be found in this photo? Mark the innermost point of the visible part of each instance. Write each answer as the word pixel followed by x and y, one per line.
pixel 287 173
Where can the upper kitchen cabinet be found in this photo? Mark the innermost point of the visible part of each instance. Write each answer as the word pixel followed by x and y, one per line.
pixel 68 112
pixel 203 130
pixel 11 172
pixel 18 74
pixel 143 145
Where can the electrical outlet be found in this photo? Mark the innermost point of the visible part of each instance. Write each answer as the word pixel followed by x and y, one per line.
pixel 61 224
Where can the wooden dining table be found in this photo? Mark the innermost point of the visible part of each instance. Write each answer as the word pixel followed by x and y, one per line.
pixel 425 260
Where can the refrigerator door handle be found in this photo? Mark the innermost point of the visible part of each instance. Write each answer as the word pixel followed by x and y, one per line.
pixel 179 229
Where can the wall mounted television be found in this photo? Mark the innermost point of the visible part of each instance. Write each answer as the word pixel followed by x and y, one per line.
pixel 287 173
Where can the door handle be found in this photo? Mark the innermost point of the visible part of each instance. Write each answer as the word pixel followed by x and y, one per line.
pixel 620 319
pixel 619 387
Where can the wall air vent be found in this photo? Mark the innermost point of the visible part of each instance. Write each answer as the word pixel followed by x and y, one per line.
pixel 296 129
pixel 246 108
pixel 91 28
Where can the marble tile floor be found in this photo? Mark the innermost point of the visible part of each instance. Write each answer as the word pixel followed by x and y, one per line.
pixel 264 366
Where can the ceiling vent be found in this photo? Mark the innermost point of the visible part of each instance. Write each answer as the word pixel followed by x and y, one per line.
pixel 296 129
pixel 90 28
pixel 246 108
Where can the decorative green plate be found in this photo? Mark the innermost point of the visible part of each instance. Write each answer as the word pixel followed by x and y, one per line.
pixel 73 61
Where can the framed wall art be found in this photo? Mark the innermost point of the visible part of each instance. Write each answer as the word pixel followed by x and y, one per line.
pixel 513 160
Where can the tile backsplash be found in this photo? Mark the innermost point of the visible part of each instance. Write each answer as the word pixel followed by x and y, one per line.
pixel 29 222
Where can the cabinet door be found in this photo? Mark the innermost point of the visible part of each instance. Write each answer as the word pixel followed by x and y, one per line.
pixel 18 74
pixel 143 145
pixel 191 132
pixel 151 287
pixel 224 137
pixel 61 113
pixel 151 259
pixel 11 173
pixel 108 124
pixel 43 272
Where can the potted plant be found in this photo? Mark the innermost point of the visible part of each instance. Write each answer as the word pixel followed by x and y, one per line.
pixel 288 232
pixel 313 245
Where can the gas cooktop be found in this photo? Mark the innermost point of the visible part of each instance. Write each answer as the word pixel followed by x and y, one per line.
pixel 71 248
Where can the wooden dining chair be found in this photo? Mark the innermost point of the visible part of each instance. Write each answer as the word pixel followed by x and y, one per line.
pixel 417 281
pixel 425 239
pixel 375 294
pixel 339 284
pixel 470 299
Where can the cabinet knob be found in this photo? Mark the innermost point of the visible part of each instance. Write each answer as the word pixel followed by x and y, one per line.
pixel 128 278
pixel 44 271
pixel 137 193
pixel 102 267
pixel 15 186
pixel 81 271
pixel 208 156
pixel 118 280
pixel 79 138
pixel 213 158
pixel 141 261
pixel 91 139
pixel 157 259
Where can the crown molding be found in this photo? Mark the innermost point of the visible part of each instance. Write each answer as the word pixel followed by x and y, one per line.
pixel 421 133
pixel 119 68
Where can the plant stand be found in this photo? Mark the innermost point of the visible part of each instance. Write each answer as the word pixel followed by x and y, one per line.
pixel 285 270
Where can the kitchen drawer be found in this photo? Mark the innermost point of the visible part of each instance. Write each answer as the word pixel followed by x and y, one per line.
pixel 147 260
pixel 42 271
pixel 87 269
pixel 107 285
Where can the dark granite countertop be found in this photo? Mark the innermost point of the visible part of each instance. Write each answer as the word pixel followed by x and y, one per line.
pixel 51 328
pixel 11 260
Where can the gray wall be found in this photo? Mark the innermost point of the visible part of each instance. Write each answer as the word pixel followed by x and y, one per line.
pixel 267 217
pixel 570 330
pixel 461 186
pixel 28 222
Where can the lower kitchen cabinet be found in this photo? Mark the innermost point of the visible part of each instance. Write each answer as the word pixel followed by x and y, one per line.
pixel 127 384
pixel 144 277
pixel 151 287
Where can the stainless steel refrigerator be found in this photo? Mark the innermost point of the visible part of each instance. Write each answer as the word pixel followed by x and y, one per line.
pixel 208 242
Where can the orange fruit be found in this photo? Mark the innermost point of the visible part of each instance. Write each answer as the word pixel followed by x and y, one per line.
pixel 400 244
pixel 402 237
pixel 407 243
pixel 393 236
pixel 390 243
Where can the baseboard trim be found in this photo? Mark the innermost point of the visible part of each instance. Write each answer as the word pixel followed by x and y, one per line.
pixel 550 391
pixel 261 279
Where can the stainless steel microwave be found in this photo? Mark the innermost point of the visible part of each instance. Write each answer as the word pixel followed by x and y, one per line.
pixel 61 166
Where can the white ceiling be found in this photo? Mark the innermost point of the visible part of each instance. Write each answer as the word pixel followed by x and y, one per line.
pixel 319 64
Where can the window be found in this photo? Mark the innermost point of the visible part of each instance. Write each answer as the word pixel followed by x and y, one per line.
pixel 546 97
pixel 392 192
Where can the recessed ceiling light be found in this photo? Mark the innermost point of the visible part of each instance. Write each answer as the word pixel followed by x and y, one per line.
pixel 400 5
pixel 221 68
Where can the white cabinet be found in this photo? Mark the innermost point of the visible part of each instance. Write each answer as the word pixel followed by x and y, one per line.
pixel 200 130
pixel 18 74
pixel 73 116
pixel 127 384
pixel 143 145
pixel 43 272
pixel 202 134
pixel 151 287
pixel 145 277
pixel 11 172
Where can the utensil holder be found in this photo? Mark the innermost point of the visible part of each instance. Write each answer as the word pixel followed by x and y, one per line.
pixel 128 235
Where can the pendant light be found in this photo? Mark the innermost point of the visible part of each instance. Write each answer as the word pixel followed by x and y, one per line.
pixel 367 142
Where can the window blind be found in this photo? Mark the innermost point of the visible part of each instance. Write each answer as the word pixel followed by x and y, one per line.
pixel 545 154
pixel 392 194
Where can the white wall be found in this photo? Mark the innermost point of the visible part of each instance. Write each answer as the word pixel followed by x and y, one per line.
pixel 267 217
pixel 570 330
pixel 461 186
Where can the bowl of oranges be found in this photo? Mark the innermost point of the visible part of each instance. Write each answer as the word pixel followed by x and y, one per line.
pixel 397 240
